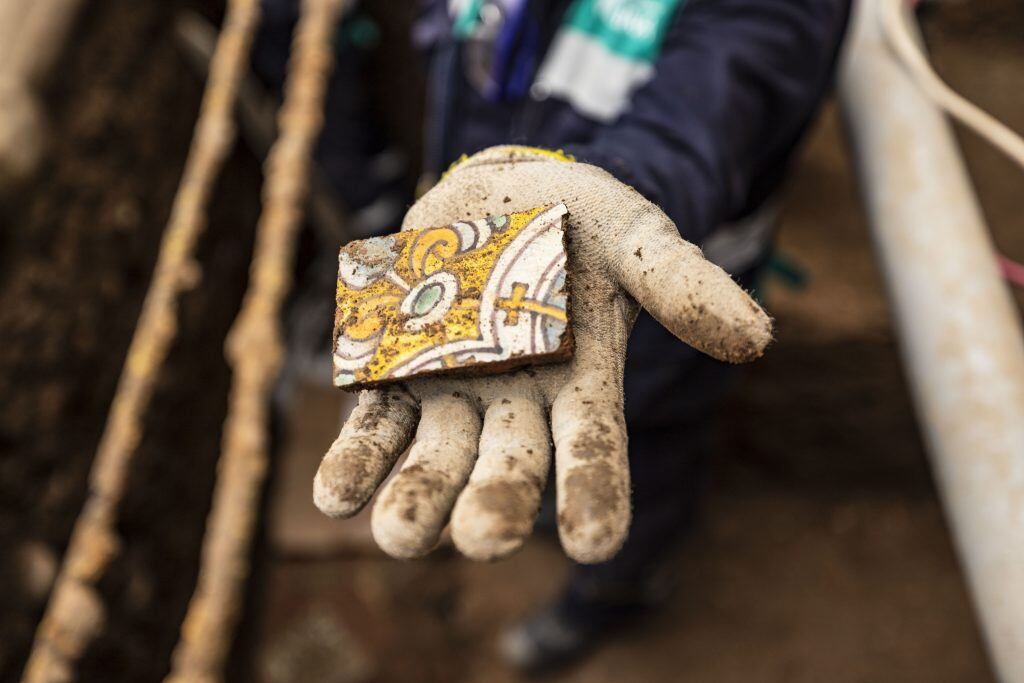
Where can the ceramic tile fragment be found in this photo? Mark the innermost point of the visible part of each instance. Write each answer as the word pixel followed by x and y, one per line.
pixel 477 296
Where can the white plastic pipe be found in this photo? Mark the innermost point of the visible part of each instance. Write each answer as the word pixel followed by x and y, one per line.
pixel 959 329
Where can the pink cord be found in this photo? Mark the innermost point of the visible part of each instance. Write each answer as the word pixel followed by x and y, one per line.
pixel 1012 271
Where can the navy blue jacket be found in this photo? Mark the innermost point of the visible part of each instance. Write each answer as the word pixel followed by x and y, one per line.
pixel 707 138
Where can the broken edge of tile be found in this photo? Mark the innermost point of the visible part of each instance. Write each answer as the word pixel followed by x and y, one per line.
pixel 471 298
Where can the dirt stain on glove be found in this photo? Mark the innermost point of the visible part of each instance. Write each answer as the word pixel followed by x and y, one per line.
pixel 593 503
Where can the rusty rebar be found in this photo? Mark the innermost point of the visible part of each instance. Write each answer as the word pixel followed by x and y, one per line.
pixel 75 613
pixel 255 353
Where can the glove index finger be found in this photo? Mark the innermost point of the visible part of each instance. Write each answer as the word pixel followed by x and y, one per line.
pixel 695 299
pixel 591 467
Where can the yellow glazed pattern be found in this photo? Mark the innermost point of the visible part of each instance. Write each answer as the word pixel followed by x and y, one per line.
pixel 485 295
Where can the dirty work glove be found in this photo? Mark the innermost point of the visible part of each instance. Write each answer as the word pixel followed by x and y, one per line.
pixel 483 445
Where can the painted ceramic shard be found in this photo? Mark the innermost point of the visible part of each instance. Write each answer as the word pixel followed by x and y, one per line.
pixel 478 296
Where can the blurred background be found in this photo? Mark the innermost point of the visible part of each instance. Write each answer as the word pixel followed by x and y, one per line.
pixel 822 554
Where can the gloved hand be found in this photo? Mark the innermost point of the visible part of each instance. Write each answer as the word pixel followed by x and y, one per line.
pixel 483 445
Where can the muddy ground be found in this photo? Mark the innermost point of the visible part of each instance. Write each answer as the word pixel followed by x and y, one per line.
pixel 823 554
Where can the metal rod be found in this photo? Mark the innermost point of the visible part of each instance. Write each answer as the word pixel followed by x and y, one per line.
pixel 75 613
pixel 255 351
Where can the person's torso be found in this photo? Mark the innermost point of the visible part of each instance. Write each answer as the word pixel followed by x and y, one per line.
pixel 542 73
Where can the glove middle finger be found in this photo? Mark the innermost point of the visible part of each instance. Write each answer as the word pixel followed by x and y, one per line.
pixel 495 513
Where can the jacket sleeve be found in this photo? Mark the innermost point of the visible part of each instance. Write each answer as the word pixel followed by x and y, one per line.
pixel 735 85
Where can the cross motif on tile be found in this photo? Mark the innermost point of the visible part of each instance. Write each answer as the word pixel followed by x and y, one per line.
pixel 513 304
pixel 518 302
